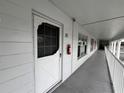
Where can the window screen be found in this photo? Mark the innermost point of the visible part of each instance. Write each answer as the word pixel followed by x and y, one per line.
pixel 48 39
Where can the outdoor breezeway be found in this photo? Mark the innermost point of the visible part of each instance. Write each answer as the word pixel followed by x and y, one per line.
pixel 61 46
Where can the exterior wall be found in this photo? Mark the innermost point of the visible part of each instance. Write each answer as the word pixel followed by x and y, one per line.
pixel 16 43
pixel 16 49
pixel 76 63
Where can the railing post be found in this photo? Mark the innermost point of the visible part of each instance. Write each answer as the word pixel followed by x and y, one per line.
pixel 118 50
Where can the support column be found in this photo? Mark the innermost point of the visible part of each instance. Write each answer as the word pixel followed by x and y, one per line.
pixel 114 48
pixel 118 49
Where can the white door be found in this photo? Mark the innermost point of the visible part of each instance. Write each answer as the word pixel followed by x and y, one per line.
pixel 47 45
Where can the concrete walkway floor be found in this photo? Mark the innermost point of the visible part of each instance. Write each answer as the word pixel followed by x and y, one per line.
pixel 91 77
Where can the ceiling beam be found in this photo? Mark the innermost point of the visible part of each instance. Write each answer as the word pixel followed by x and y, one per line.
pixel 90 23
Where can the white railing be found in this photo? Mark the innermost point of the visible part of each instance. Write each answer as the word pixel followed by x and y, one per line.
pixel 116 69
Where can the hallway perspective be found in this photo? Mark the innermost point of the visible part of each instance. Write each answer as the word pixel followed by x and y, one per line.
pixel 91 77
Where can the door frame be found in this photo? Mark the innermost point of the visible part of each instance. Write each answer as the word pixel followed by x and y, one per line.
pixel 36 13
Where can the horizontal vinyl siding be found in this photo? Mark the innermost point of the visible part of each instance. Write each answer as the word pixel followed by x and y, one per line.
pixel 8 48
pixel 15 60
pixel 16 49
pixel 15 72
pixel 15 35
pixel 17 84
pixel 10 21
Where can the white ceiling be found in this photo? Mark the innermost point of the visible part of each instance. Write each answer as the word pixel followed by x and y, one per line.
pixel 88 11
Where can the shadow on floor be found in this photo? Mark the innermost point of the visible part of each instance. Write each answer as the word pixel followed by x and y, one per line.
pixel 91 77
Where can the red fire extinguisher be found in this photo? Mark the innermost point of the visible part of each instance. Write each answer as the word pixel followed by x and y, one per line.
pixel 68 49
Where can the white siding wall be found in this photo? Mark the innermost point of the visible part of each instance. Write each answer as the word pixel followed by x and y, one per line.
pixel 76 63
pixel 16 43
pixel 16 49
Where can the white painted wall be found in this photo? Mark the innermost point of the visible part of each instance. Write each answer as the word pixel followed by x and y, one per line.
pixel 76 63
pixel 16 43
pixel 16 49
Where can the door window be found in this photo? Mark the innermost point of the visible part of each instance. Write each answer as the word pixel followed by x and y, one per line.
pixel 48 39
